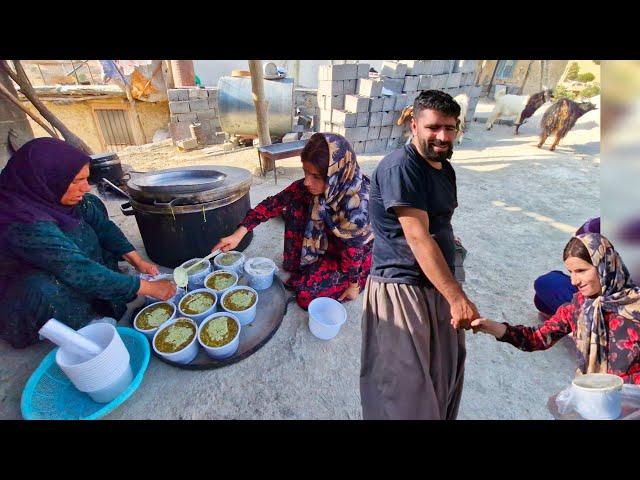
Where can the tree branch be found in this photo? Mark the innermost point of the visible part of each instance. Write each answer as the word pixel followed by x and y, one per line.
pixel 27 90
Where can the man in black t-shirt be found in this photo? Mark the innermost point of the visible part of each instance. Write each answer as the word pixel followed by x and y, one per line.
pixel 413 349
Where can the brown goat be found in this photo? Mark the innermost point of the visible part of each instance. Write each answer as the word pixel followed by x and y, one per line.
pixel 560 118
pixel 534 103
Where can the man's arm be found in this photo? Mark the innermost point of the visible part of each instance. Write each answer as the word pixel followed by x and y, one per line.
pixel 415 225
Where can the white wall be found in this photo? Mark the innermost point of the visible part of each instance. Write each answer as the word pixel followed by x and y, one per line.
pixel 210 71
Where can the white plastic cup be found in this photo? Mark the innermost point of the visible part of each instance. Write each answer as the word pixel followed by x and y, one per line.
pixel 198 318
pixel 225 351
pixel 235 267
pixel 196 280
pixel 597 396
pixel 151 332
pixel 102 371
pixel 188 353
pixel 245 316
pixel 259 278
pixel 217 272
pixel 326 316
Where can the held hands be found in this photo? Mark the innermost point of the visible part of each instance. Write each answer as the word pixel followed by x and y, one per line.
pixel 350 293
pixel 463 311
pixel 485 325
pixel 231 242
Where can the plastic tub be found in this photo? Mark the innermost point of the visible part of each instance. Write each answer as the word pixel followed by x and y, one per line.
pixel 196 279
pixel 235 266
pixel 259 272
pixel 188 352
pixel 199 317
pixel 597 396
pixel 245 316
pixel 105 370
pixel 326 316
pixel 225 351
pixel 151 332
pixel 218 272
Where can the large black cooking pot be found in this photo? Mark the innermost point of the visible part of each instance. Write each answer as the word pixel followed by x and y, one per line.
pixel 183 212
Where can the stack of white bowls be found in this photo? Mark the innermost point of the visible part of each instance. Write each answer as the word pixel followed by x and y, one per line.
pixel 104 376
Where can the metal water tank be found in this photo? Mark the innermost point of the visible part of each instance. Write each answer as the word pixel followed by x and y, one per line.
pixel 238 112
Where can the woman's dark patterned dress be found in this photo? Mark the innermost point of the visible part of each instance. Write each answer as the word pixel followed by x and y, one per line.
pixel 330 275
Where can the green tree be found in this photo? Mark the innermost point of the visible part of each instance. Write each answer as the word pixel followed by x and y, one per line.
pixel 586 77
pixel 563 92
pixel 590 91
pixel 573 71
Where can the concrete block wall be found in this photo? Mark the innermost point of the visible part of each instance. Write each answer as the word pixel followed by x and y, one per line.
pixel 368 116
pixel 195 105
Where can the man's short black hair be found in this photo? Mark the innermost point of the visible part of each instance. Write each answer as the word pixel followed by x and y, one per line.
pixel 436 100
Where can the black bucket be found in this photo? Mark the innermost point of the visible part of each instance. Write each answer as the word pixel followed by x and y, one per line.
pixel 105 165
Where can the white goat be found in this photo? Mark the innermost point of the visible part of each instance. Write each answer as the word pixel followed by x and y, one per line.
pixel 519 106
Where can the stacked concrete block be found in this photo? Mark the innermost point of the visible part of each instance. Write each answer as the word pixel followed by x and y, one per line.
pixel 385 132
pixel 344 118
pixel 350 86
pixel 369 87
pixel 425 82
pixel 194 105
pixel 362 119
pixel 387 118
pixel 377 145
pixel 388 103
pixel 343 72
pixel 392 69
pixel 417 67
pixel 393 84
pixel 453 80
pixel 376 104
pixel 375 119
pixel 356 103
pixel 410 83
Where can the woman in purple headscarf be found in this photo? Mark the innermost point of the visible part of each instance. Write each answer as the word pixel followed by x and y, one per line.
pixel 58 249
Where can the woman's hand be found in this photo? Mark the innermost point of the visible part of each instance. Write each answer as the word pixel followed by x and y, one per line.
pixel 147 267
pixel 488 326
pixel 231 242
pixel 160 289
pixel 141 265
pixel 351 293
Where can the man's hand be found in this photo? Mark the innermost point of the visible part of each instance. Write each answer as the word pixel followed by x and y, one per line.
pixel 351 293
pixel 463 311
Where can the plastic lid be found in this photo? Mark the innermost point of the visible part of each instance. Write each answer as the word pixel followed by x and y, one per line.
pixel 259 266
pixel 598 381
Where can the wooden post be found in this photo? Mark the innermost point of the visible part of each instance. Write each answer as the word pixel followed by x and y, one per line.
pixel 168 74
pixel 138 131
pixel 526 76
pixel 262 112
pixel 492 77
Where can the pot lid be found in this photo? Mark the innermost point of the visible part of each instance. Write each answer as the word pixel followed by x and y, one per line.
pixel 188 185
pixel 180 181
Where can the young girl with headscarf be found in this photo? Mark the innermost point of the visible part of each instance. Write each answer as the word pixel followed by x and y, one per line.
pixel 327 237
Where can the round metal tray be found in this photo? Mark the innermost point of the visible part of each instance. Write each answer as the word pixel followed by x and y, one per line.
pixel 272 307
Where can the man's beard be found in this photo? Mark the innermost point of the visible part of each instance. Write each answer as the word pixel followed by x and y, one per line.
pixel 431 154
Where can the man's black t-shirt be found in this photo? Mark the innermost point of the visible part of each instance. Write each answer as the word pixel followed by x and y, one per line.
pixel 405 179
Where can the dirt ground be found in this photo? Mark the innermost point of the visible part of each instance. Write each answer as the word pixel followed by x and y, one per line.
pixel 518 205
